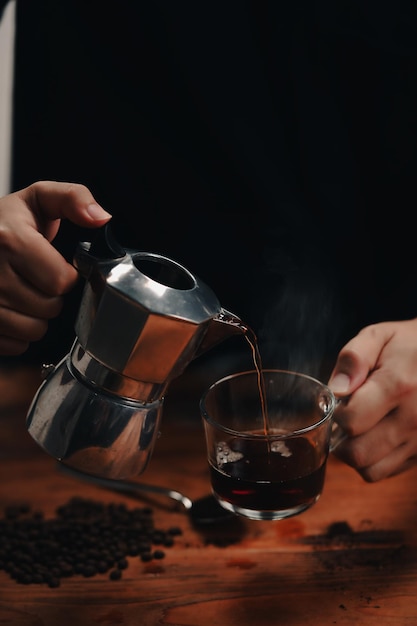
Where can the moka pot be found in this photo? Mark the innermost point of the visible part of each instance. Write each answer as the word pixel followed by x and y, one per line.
pixel 143 317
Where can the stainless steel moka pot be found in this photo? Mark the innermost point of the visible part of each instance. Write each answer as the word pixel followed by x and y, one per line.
pixel 142 319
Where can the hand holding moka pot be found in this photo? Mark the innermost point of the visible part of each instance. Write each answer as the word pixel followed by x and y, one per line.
pixel 142 319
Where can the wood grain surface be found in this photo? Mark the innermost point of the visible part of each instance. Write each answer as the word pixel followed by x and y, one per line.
pixel 351 559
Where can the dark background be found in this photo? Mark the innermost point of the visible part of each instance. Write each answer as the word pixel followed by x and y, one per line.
pixel 270 147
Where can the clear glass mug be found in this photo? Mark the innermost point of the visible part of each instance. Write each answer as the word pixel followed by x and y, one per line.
pixel 267 454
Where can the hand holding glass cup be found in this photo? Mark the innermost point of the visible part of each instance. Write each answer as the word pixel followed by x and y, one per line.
pixel 267 450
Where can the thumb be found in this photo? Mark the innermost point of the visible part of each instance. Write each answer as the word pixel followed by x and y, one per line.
pixel 50 201
pixel 358 358
pixel 351 370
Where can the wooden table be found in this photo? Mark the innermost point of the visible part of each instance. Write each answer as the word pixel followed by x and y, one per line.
pixel 294 572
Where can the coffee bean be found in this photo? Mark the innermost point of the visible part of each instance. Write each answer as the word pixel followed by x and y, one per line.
pixel 115 574
pixel 159 554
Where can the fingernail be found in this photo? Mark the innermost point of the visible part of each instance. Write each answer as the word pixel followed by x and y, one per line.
pixel 340 383
pixel 96 212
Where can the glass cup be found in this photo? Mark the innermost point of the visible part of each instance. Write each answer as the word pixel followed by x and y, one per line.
pixel 268 440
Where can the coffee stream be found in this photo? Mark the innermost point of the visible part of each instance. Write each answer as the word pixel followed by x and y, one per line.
pixel 257 361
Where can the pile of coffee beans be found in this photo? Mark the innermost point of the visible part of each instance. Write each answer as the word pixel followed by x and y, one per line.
pixel 85 538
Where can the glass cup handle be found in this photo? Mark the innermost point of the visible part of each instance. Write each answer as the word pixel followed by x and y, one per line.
pixel 338 434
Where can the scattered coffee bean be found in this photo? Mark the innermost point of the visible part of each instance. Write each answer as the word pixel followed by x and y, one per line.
pixel 86 538
pixel 115 574
pixel 159 554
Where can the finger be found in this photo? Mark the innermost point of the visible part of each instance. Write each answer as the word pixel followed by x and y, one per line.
pixel 39 306
pixel 371 446
pixel 42 268
pixel 21 327
pixel 12 347
pixel 399 460
pixel 25 298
